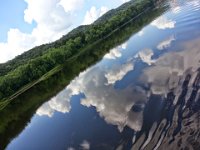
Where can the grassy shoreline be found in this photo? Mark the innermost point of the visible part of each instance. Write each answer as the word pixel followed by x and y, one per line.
pixel 28 69
pixel 15 117
pixel 60 67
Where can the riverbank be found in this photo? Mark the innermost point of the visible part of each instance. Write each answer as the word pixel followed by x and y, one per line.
pixel 40 68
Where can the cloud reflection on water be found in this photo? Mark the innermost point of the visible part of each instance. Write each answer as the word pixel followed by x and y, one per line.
pixel 163 23
pixel 166 43
pixel 115 52
pixel 116 105
pixel 146 56
pixel 97 84
pixel 169 69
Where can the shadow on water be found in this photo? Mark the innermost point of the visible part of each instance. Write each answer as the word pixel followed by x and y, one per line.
pixel 15 117
pixel 164 120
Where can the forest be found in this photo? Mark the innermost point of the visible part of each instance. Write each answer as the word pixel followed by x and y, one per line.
pixel 43 61
pixel 16 116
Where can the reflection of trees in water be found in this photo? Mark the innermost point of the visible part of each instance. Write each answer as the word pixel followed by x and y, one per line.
pixel 16 115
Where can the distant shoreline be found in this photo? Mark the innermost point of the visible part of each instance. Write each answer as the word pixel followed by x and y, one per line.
pixel 40 63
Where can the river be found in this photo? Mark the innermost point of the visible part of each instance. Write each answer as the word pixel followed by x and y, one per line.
pixel 143 94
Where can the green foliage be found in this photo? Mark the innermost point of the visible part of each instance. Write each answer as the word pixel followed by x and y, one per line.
pixel 17 114
pixel 32 65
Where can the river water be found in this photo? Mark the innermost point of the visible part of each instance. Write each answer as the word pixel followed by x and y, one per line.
pixel 143 94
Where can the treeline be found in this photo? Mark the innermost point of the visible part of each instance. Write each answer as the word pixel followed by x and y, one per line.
pixel 88 33
pixel 15 116
pixel 31 65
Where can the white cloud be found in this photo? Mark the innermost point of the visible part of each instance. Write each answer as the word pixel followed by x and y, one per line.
pixel 175 7
pixel 71 148
pixel 50 15
pixel 118 72
pixel 124 45
pixel 125 1
pixel 171 68
pixel 71 5
pixel 17 41
pixel 146 56
pixel 51 23
pixel 85 145
pixel 93 14
pixel 114 105
pixel 45 110
pixel 194 3
pixel 166 43
pixel 53 19
pixel 141 33
pixel 115 52
pixel 60 103
pixel 163 23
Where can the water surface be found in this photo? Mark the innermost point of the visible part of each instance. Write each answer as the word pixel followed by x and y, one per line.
pixel 143 94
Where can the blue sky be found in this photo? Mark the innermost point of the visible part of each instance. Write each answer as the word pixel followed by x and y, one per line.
pixel 28 23
pixel 11 16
